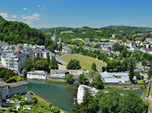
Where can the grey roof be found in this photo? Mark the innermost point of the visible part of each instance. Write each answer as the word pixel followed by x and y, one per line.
pixel 2 83
pixel 28 97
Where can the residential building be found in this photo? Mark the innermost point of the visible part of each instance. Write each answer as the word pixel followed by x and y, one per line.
pixel 14 62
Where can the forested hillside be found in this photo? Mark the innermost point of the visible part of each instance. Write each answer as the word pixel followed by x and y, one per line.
pixel 105 32
pixel 2 19
pixel 18 32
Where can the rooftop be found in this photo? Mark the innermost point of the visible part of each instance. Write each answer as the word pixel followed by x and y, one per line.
pixel 11 85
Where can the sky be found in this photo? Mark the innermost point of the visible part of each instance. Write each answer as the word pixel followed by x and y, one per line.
pixel 78 13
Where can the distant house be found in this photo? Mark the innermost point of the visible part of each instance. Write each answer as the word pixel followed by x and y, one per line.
pixel 37 75
pixel 111 77
pixel 66 50
pixel 149 40
pixel 27 107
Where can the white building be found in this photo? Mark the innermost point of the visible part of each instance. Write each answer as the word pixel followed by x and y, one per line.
pixel 111 77
pixel 54 38
pixel 37 75
pixel 81 91
pixel 58 74
pixel 14 62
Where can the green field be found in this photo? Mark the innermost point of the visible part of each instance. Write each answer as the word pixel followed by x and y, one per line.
pixel 84 65
pixel 91 60
pixel 66 32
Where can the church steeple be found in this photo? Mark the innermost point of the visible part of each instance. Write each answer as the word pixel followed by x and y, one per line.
pixel 54 38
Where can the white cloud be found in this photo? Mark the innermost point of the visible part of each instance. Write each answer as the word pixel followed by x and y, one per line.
pixel 14 16
pixel 4 15
pixel 33 17
pixel 38 6
pixel 24 9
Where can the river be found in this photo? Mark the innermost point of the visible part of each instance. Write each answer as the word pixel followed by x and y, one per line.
pixel 59 94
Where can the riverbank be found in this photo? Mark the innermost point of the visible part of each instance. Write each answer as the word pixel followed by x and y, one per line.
pixel 44 101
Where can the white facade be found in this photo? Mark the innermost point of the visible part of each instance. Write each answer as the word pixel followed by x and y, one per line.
pixel 81 91
pixel 13 62
pixel 37 75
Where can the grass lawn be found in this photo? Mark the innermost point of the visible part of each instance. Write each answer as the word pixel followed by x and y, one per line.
pixel 66 32
pixel 140 81
pixel 91 60
pixel 84 65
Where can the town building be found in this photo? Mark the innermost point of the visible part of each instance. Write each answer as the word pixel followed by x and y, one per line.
pixel 18 88
pixel 81 91
pixel 3 90
pixel 54 38
pixel 37 75
pixel 116 78
pixel 8 90
pixel 58 74
pixel 15 62
pixel 66 50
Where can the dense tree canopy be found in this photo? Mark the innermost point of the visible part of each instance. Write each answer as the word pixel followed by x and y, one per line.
pixel 74 64
pixel 111 101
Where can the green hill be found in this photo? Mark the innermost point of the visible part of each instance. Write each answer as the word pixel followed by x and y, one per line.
pixel 2 19
pixel 122 32
pixel 18 32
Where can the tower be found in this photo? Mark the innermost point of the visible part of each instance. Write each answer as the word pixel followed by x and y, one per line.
pixel 54 38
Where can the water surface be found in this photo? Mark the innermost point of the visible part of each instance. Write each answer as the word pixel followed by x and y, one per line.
pixel 59 94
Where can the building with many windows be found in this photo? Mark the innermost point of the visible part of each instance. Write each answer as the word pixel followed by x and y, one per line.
pixel 37 75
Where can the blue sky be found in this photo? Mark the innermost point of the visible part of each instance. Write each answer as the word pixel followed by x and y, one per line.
pixel 78 13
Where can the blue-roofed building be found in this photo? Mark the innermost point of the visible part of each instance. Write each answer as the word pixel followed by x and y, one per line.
pixel 112 77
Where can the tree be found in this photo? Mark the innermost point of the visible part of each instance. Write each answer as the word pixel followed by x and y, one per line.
pixel 83 79
pixel 74 64
pixel 69 78
pixel 48 58
pixel 53 64
pixel 55 110
pixel 109 102
pixel 41 65
pixel 144 63
pixel 28 65
pixel 150 71
pixel 93 67
pixel 131 66
pixel 131 103
pixel 97 82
